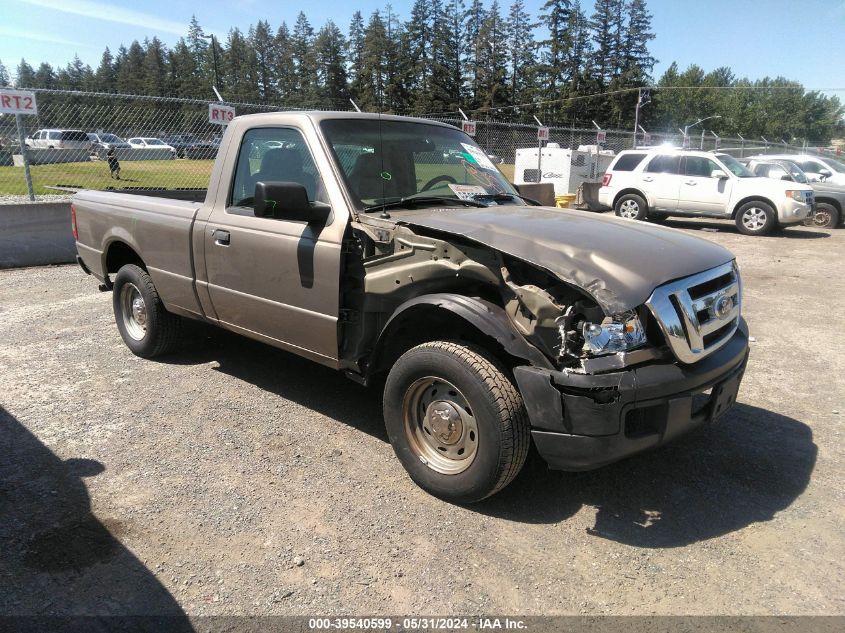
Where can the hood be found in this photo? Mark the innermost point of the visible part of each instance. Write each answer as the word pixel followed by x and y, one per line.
pixel 828 187
pixel 619 262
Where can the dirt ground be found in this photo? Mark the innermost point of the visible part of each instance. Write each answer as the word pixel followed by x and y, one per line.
pixel 235 479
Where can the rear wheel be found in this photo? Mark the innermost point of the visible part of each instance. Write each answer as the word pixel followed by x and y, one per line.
pixel 755 218
pixel 455 421
pixel 826 216
pixel 146 327
pixel 631 207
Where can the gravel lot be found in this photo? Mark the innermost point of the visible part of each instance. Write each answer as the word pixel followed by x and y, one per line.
pixel 235 479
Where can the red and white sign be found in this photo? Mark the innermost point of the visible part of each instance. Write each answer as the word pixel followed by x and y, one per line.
pixel 601 137
pixel 220 114
pixel 18 102
pixel 468 127
pixel 542 134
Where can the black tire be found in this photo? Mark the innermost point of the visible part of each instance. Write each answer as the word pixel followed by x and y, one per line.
pixel 826 216
pixel 158 331
pixel 658 218
pixel 483 391
pixel 631 207
pixel 755 218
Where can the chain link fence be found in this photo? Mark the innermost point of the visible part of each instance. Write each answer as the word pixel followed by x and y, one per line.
pixel 100 141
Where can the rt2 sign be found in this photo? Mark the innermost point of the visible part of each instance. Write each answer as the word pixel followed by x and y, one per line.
pixel 601 137
pixel 220 114
pixel 468 127
pixel 18 102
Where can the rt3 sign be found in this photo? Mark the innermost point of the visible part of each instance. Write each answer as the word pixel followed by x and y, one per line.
pixel 220 114
pixel 468 127
pixel 17 102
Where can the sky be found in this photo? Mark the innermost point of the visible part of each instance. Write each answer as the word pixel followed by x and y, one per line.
pixel 800 40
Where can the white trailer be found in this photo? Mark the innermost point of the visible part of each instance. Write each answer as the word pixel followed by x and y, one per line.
pixel 565 168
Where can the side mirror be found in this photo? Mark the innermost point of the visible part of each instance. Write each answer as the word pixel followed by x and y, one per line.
pixel 786 177
pixel 288 201
pixel 718 173
pixel 825 173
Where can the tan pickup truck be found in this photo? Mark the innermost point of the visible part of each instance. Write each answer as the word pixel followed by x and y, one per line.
pixel 394 250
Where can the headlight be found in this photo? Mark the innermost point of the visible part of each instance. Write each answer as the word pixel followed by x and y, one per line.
pixel 796 194
pixel 617 334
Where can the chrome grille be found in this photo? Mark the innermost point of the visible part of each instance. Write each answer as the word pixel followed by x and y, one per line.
pixel 699 314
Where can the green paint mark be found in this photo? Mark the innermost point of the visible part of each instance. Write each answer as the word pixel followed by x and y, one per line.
pixel 385 175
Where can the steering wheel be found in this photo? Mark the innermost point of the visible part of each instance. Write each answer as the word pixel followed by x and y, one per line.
pixel 436 179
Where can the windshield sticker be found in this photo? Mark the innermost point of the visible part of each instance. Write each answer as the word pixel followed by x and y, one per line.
pixel 467 192
pixel 478 157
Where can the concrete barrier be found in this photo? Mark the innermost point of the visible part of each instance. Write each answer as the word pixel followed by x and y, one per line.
pixel 36 234
pixel 41 156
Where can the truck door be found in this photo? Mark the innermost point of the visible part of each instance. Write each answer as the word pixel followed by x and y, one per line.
pixel 275 279
pixel 700 193
pixel 661 181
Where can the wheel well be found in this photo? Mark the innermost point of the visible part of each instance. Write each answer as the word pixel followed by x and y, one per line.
pixel 425 323
pixel 831 201
pixel 625 192
pixel 754 199
pixel 119 254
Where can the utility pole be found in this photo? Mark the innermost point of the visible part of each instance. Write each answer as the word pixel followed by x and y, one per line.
pixel 643 98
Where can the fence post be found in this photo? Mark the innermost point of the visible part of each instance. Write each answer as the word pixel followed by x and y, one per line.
pixel 26 174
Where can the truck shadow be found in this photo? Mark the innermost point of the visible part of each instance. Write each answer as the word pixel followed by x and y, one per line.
pixel 750 465
pixel 56 557
pixel 744 469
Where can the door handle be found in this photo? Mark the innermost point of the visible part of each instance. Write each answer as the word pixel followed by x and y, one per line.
pixel 221 237
pixel 691 183
pixel 648 179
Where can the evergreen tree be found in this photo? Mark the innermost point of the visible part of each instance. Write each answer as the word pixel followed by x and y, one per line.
pixel 302 55
pixel 198 45
pixel 330 47
pixel 154 68
pixel 474 20
pixel 444 90
pixel 355 52
pixel 75 76
pixel 455 26
pixel 555 72
pixel 418 33
pixel 45 77
pixel 607 27
pixel 262 41
pixel 636 57
pixel 24 75
pixel 130 74
pixel 4 76
pixel 520 50
pixel 105 78
pixel 240 76
pixel 373 84
pixel 284 73
pixel 184 74
pixel 492 59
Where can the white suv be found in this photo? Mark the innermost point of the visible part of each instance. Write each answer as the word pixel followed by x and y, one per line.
pixel 660 182
pixel 817 168
pixel 58 139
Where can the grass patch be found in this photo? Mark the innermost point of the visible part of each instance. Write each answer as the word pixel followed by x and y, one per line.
pixel 161 174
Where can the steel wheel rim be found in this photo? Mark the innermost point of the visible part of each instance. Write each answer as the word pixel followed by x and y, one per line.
pixel 754 218
pixel 629 209
pixel 821 219
pixel 134 311
pixel 440 426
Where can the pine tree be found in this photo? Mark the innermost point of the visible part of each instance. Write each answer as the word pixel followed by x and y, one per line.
pixel 475 17
pixel 5 80
pixel 283 71
pixel 105 78
pixel 240 77
pixel 373 84
pixel 198 45
pixel 444 92
pixel 330 47
pixel 418 33
pixel 607 26
pixel 636 57
pixel 184 76
pixel 455 25
pixel 130 74
pixel 154 68
pixel 397 65
pixel 302 55
pixel 24 75
pixel 262 42
pixel 520 49
pixel 355 51
pixel 557 49
pixel 492 59
pixel 45 77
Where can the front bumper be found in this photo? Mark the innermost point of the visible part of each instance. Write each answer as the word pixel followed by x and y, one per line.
pixel 794 212
pixel 583 421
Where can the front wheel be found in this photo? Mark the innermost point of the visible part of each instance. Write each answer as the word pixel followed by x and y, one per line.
pixel 631 207
pixel 455 421
pixel 755 218
pixel 146 327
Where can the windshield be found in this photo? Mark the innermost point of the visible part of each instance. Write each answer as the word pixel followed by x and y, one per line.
pixel 835 165
pixel 796 172
pixel 110 138
pixel 737 168
pixel 153 141
pixel 387 161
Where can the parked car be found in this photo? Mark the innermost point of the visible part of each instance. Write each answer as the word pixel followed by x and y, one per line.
pixel 146 142
pixel 830 199
pixel 106 141
pixel 58 139
pixel 664 181
pixel 494 322
pixel 189 146
pixel 817 168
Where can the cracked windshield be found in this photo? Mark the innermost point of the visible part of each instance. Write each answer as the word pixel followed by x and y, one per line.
pixel 400 163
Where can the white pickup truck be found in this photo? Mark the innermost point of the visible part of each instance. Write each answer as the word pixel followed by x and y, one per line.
pixel 660 182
